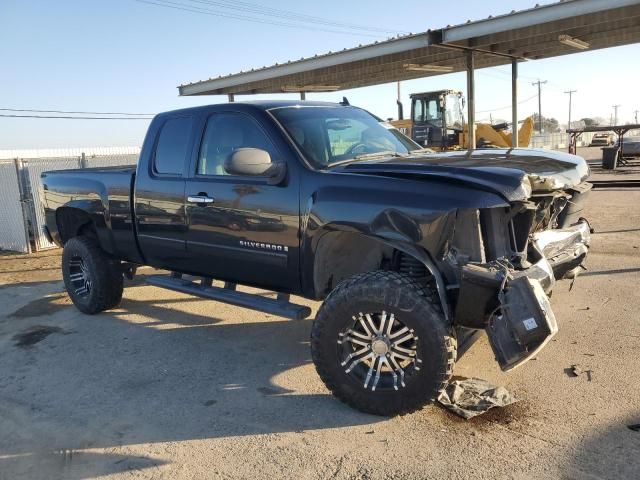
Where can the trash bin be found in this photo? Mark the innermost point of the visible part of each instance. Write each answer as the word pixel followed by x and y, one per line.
pixel 609 158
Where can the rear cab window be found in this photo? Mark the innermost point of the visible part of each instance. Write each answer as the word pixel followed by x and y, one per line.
pixel 172 146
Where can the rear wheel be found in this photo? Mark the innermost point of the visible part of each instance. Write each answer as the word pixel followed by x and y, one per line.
pixel 381 345
pixel 92 279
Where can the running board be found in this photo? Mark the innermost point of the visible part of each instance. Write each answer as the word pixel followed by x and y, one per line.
pixel 228 294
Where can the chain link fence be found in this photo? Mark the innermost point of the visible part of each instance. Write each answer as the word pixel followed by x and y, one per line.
pixel 559 140
pixel 22 218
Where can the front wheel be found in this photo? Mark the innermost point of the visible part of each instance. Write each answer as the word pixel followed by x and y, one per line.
pixel 91 278
pixel 382 345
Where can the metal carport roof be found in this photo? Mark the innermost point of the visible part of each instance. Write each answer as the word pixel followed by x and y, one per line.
pixel 540 32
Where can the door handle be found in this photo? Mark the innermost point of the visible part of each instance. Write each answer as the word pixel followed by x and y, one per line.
pixel 199 199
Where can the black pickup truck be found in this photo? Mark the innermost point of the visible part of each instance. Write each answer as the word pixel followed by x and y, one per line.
pixel 414 253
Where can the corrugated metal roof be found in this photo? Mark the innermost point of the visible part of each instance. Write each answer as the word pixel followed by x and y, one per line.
pixel 526 35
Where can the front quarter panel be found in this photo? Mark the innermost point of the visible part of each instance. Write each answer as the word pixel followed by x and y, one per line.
pixel 405 214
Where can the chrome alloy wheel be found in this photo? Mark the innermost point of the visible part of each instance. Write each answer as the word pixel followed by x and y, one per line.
pixel 80 277
pixel 380 347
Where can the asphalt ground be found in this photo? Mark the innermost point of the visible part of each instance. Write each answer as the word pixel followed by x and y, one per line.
pixel 170 386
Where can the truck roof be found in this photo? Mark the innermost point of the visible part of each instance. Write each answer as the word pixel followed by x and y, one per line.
pixel 259 104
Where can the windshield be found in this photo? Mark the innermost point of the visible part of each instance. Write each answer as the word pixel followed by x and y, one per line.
pixel 427 110
pixel 330 135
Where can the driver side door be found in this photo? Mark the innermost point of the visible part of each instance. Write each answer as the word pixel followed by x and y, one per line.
pixel 246 229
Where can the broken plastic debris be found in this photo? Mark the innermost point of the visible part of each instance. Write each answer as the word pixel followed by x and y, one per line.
pixel 577 370
pixel 471 397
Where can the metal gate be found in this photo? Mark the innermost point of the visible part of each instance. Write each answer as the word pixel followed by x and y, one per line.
pixel 33 168
pixel 13 229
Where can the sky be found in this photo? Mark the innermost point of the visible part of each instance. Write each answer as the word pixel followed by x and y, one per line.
pixel 130 55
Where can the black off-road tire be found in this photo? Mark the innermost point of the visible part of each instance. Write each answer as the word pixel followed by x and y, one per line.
pixel 106 279
pixel 393 293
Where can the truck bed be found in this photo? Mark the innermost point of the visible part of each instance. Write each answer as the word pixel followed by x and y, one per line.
pixel 105 194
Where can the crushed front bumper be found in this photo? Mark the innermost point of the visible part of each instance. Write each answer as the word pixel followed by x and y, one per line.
pixel 564 249
pixel 518 316
pixel 560 253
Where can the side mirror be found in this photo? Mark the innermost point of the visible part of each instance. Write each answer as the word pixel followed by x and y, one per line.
pixel 253 162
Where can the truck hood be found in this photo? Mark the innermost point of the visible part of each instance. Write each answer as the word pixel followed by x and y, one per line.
pixel 512 173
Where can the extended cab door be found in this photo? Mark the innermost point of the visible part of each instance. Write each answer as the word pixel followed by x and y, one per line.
pixel 241 228
pixel 159 192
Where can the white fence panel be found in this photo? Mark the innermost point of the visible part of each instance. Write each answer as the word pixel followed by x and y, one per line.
pixel 13 233
pixel 111 160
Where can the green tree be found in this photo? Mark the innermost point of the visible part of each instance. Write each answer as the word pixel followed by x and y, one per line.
pixel 549 124
pixel 589 122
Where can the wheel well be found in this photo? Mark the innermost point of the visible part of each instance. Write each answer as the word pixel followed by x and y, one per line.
pixel 72 222
pixel 340 255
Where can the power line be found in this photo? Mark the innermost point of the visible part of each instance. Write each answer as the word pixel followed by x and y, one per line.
pixel 525 77
pixel 74 118
pixel 508 106
pixel 66 111
pixel 215 13
pixel 287 14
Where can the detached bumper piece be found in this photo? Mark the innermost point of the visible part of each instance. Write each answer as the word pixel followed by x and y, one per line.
pixel 524 326
pixel 516 313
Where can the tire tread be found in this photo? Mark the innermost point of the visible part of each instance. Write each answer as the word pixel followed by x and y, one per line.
pixel 428 304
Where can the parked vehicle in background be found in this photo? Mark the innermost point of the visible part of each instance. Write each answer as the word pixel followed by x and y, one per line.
pixel 630 146
pixel 414 253
pixel 603 139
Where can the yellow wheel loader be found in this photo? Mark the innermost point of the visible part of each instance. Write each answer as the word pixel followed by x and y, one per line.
pixel 437 122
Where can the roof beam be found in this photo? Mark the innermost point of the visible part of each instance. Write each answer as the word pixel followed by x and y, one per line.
pixel 529 34
pixel 535 16
pixel 301 66
pixel 603 20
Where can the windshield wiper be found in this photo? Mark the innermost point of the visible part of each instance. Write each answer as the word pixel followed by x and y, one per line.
pixel 365 156
pixel 386 153
pixel 421 151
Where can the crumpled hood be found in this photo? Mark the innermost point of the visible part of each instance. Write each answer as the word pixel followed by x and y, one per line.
pixel 508 172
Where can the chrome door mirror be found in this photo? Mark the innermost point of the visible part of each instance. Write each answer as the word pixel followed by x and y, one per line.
pixel 253 162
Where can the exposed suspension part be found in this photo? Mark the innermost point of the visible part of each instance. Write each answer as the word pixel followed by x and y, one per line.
pixel 412 267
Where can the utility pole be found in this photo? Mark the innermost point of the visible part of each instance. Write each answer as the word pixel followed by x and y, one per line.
pixel 539 83
pixel 635 113
pixel 615 114
pixel 570 92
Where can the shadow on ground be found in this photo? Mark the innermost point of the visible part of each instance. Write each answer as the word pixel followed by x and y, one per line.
pixel 150 372
pixel 611 453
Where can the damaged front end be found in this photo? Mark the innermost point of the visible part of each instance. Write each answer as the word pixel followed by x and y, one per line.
pixel 505 262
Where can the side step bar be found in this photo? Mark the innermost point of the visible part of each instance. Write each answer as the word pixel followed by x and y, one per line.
pixel 280 306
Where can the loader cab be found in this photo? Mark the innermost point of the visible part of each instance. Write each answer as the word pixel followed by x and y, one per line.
pixel 437 119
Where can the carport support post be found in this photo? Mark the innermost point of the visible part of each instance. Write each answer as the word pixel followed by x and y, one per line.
pixel 471 100
pixel 514 103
